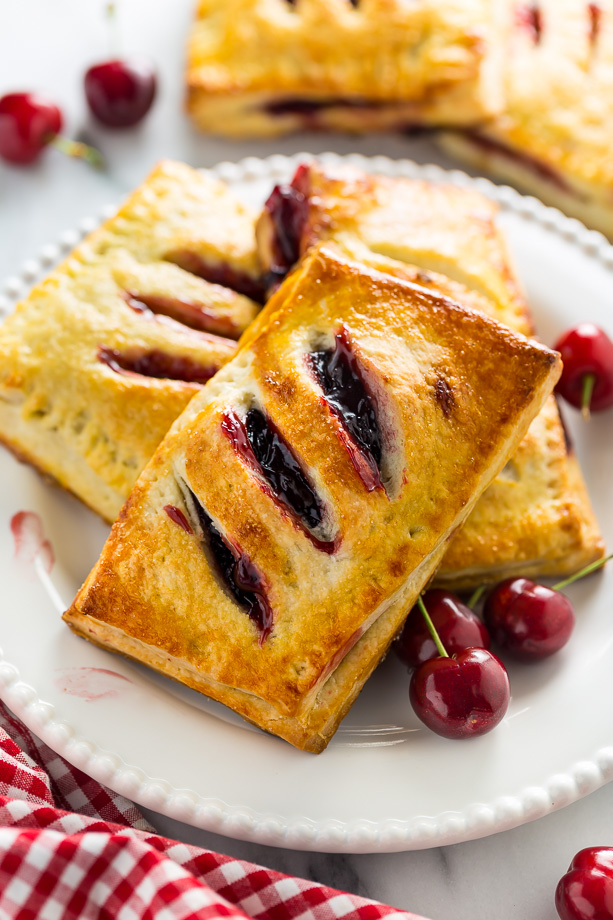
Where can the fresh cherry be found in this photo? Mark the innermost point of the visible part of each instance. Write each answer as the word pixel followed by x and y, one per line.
pixel 120 92
pixel 587 376
pixel 458 628
pixel 586 891
pixel 529 621
pixel 462 696
pixel 29 123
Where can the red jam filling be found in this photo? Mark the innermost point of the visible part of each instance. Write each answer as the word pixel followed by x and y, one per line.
pixel 155 363
pixel 238 573
pixel 220 273
pixel 288 209
pixel 535 165
pixel 595 17
pixel 308 105
pixel 342 379
pixel 185 312
pixel 176 515
pixel 261 445
pixel 530 18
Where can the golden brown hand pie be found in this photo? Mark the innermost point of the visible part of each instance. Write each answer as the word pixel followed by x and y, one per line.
pixel 536 518
pixel 102 356
pixel 554 138
pixel 270 550
pixel 267 67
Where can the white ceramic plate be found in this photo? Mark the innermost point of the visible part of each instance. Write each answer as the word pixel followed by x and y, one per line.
pixel 385 783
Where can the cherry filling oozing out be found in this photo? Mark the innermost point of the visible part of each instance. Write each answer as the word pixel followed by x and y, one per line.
pixel 176 515
pixel 541 169
pixel 530 17
pixel 237 572
pixel 595 17
pixel 341 377
pixel 288 209
pixel 354 3
pixel 155 363
pixel 219 273
pixel 309 105
pixel 258 441
pixel 186 312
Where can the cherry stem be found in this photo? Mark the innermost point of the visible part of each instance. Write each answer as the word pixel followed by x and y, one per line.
pixel 475 597
pixel 587 570
pixel 586 395
pixel 77 150
pixel 111 16
pixel 435 636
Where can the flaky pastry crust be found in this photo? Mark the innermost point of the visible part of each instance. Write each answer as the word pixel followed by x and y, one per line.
pixel 94 364
pixel 452 392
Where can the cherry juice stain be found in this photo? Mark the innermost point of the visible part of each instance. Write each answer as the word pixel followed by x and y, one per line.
pixel 90 684
pixel 30 540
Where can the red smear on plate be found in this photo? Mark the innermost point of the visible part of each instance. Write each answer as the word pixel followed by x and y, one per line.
pixel 90 684
pixel 30 540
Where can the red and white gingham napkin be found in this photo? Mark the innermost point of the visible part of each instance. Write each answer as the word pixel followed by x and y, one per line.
pixel 70 848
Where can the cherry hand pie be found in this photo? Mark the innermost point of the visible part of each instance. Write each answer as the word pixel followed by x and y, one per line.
pixel 270 550
pixel 554 138
pixel 536 517
pixel 267 67
pixel 102 356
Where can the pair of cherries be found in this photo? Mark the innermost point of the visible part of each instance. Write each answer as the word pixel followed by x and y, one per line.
pixel 119 94
pixel 459 688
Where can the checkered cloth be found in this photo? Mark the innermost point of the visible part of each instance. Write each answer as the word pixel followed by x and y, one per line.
pixel 70 848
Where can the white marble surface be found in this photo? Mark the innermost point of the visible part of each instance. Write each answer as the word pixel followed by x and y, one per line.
pixel 45 45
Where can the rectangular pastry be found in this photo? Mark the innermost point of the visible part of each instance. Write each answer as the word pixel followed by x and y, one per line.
pixel 104 354
pixel 536 517
pixel 554 137
pixel 268 67
pixel 270 550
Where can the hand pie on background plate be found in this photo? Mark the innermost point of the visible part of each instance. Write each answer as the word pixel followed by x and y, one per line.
pixel 262 68
pixel 555 135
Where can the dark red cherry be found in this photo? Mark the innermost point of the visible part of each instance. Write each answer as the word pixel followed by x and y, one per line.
pixel 120 92
pixel 462 696
pixel 529 621
pixel 458 628
pixel 587 376
pixel 586 891
pixel 28 123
